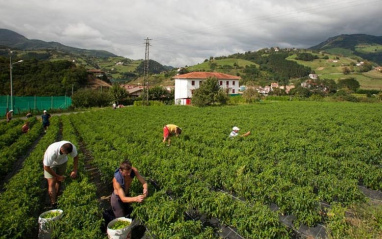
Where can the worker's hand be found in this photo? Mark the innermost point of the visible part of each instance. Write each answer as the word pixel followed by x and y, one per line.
pixel 145 192
pixel 60 178
pixel 73 174
pixel 139 198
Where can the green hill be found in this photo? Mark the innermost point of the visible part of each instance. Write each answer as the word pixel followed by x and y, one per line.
pixel 365 46
pixel 331 66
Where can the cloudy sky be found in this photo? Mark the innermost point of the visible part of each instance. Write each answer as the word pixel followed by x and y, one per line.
pixel 185 32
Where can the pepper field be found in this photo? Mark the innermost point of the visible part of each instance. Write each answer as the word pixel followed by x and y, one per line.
pixel 306 161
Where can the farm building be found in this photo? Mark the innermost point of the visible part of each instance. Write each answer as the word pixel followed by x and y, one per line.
pixel 133 90
pixel 185 84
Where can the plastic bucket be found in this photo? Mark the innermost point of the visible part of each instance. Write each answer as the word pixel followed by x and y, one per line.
pixel 45 230
pixel 118 233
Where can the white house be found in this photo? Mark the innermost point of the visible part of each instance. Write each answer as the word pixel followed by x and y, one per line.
pixel 185 84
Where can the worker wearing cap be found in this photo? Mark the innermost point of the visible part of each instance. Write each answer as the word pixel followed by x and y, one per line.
pixel 235 132
pixel 9 115
pixel 55 162
pixel 170 130
pixel 45 120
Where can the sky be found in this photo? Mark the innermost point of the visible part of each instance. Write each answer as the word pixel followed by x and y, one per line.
pixel 186 32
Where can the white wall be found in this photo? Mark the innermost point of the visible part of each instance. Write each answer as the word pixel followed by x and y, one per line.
pixel 233 89
pixel 183 89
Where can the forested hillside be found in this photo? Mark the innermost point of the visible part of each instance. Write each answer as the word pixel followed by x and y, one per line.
pixel 41 78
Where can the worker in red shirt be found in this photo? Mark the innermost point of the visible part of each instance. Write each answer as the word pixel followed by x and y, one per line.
pixel 25 127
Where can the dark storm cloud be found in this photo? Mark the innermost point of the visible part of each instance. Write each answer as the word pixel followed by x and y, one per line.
pixel 186 32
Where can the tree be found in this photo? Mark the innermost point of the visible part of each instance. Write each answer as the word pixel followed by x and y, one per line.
pixel 118 93
pixel 209 93
pixel 366 66
pixel 346 71
pixel 213 65
pixel 328 85
pixel 300 92
pixel 251 95
pixel 158 93
pixel 350 83
pixel 306 57
pixel 91 98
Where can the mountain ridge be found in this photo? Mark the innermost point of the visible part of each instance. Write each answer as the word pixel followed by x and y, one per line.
pixel 14 40
pixel 365 46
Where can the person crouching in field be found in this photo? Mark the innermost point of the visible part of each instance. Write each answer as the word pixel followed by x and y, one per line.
pixel 9 115
pixel 120 199
pixel 235 132
pixel 170 130
pixel 55 161
pixel 25 127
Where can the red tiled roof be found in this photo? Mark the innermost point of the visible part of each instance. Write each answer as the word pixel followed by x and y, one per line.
pixel 205 75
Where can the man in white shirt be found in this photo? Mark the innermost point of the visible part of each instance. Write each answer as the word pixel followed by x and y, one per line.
pixel 55 162
pixel 235 132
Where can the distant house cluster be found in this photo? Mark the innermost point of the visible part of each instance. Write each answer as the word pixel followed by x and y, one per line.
pixel 269 88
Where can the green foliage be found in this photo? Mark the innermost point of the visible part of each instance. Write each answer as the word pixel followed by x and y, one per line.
pixel 20 202
pixel 300 92
pixel 42 78
pixel 18 145
pixel 350 83
pixel 150 103
pixel 209 93
pixel 161 94
pixel 251 95
pixel 154 67
pixel 118 93
pixel 306 56
pixel 91 98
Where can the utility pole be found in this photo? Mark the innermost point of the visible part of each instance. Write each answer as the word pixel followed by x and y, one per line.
pixel 146 70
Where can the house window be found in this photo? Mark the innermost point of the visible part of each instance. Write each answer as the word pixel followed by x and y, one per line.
pixel 227 83
pixel 233 91
pixel 221 82
pixel 233 82
pixel 193 82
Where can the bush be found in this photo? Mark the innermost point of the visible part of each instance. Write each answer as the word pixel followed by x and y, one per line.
pixel 91 98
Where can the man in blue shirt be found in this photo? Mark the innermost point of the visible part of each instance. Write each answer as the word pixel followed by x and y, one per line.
pixel 45 120
pixel 123 177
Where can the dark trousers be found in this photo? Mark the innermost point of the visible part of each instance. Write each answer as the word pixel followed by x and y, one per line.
pixel 120 209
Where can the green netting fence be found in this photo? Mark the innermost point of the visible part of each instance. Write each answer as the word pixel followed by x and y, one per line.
pixel 24 104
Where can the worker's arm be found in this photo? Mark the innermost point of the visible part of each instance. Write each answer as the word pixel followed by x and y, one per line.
pixel 75 167
pixel 122 196
pixel 143 181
